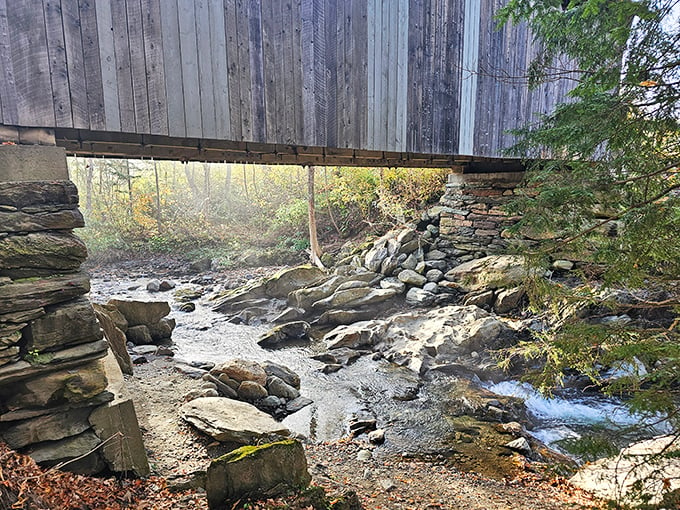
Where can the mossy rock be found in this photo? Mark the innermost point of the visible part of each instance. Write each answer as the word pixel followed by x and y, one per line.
pixel 266 470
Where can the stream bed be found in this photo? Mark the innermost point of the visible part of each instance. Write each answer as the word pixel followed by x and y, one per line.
pixel 365 389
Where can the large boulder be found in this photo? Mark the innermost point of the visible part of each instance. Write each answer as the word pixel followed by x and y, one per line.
pixel 289 332
pixel 362 296
pixel 355 336
pixel 288 280
pixel 492 272
pixel 242 370
pixel 139 313
pixel 262 471
pixel 641 473
pixel 231 421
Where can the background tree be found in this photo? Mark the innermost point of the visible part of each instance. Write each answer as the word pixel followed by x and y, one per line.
pixel 605 191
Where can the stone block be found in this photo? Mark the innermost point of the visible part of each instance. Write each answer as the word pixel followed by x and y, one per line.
pixel 262 471
pixel 32 163
pixel 33 293
pixel 83 445
pixel 19 221
pixel 66 324
pixel 116 339
pixel 38 196
pixel 48 427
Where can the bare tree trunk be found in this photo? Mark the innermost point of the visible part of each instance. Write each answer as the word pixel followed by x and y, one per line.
pixel 328 202
pixel 88 185
pixel 206 189
pixel 227 184
pixel 245 181
pixel 129 186
pixel 159 221
pixel 189 173
pixel 315 250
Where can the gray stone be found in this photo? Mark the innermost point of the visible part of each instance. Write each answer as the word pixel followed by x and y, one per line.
pixel 153 286
pixel 406 235
pixel 291 331
pixel 419 297
pixel 295 405
pixel 355 336
pixel 53 251
pixel 19 221
pixel 30 294
pixel 563 265
pixel 289 314
pixel 375 256
pixel 271 402
pixel 364 455
pixel 65 324
pixel 492 272
pixel 434 275
pixel 243 370
pixel 338 317
pixel 279 388
pixel 141 312
pixel 33 163
pixel 283 373
pixel 377 436
pixel 224 389
pixel 48 427
pixel 230 420
pixel 261 471
pixel 410 262
pixel 435 255
pixel 115 337
pixel 355 298
pixel 508 300
pixel 479 298
pixel 288 280
pixel 389 265
pixel 431 287
pixel 420 268
pixel 410 277
pixel 139 335
pixel 394 284
pixel 251 391
pixel 520 445
pixel 116 425
pixel 54 452
pixel 166 285
pixel 162 330
pixel 410 246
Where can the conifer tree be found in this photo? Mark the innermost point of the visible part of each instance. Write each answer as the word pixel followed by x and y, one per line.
pixel 604 187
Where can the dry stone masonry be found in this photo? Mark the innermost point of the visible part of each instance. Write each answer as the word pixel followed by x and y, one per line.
pixel 57 396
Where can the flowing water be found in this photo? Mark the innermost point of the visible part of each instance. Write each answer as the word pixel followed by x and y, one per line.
pixel 366 388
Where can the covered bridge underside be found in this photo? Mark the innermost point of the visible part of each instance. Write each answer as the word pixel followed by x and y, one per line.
pixel 352 82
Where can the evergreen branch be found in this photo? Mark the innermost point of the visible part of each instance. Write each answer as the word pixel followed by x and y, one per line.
pixel 652 174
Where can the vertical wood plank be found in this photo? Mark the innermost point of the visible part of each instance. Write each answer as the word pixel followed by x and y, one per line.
pixel 189 67
pixel 370 76
pixel 75 64
pixel 107 59
pixel 155 71
pixel 172 68
pixel 308 64
pixel 357 53
pixel 402 75
pixel 287 73
pixel 341 63
pixel 245 96
pixel 297 70
pixel 57 58
pixel 379 78
pixel 331 74
pixel 414 68
pixel 8 93
pixel 270 75
pixel 256 70
pixel 233 69
pixel 93 68
pixel 320 70
pixel 393 76
pixel 121 47
pixel 205 78
pixel 218 45
pixel 140 90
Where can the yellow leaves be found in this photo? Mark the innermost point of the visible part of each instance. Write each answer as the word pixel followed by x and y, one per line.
pixel 648 83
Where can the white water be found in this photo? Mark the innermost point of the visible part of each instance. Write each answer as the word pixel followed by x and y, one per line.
pixel 560 418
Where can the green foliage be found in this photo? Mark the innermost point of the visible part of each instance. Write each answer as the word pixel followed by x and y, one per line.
pixel 226 209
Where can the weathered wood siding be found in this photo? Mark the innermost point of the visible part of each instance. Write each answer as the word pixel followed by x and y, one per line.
pixel 411 76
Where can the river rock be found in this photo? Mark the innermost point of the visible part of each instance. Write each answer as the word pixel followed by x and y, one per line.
pixel 283 373
pixel 647 469
pixel 162 330
pixel 411 277
pixel 375 256
pixel 393 283
pixel 288 280
pixel 295 405
pixel 508 300
pixel 492 272
pixel 355 298
pixel 115 337
pixel 243 370
pixel 230 420
pixel 65 324
pixel 338 317
pixel 279 388
pixel 419 297
pixel 54 251
pixel 262 471
pixel 251 391
pixel 355 336
pixel 434 275
pixel 141 312
pixel 153 286
pixel 435 255
pixel 563 265
pixel 139 335
pixel 410 262
pixel 288 315
pixel 520 445
pixel 291 331
pixel 377 436
pixel 480 298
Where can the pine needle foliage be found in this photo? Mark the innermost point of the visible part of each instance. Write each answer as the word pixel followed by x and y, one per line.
pixel 604 189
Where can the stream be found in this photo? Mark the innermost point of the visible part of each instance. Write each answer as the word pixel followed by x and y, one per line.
pixel 364 389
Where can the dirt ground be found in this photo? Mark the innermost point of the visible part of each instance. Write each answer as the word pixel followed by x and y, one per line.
pixel 177 452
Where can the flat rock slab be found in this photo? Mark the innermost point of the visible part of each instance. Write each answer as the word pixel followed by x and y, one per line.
pixel 141 312
pixel 229 420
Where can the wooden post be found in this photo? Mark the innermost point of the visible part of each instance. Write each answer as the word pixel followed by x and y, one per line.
pixel 314 248
pixel 159 221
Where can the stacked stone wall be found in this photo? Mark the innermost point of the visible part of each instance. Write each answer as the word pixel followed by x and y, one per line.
pixel 57 401
pixel 474 219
